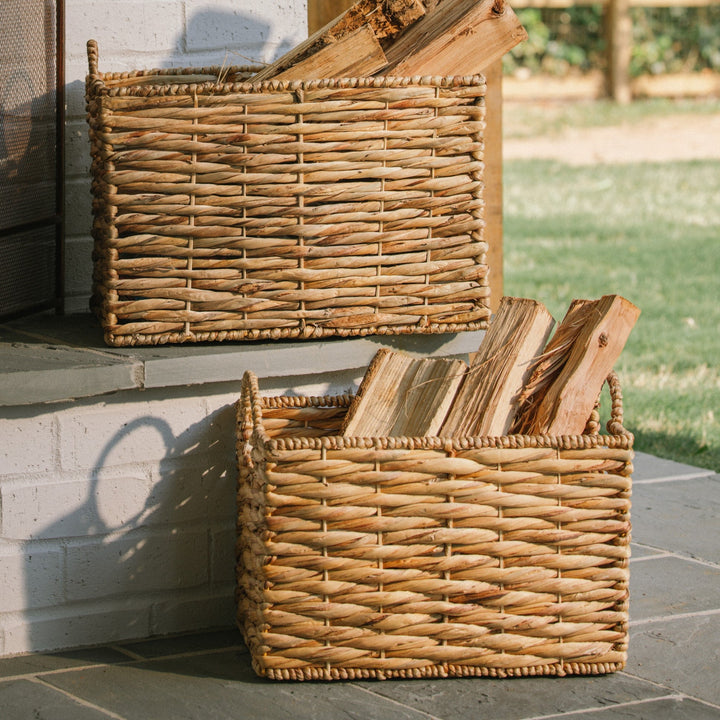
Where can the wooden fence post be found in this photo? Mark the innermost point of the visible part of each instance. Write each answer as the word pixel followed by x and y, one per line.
pixel 494 181
pixel 619 38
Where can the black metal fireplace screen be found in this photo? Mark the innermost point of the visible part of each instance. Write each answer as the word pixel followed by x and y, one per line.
pixel 31 155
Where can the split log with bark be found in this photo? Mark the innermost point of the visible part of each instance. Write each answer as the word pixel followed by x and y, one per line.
pixel 566 382
pixel 403 38
pixel 518 382
pixel 488 398
pixel 341 44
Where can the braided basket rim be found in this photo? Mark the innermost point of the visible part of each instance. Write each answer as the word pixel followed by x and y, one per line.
pixel 616 438
pixel 97 86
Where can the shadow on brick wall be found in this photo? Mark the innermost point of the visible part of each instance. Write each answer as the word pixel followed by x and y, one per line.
pixel 233 38
pixel 150 550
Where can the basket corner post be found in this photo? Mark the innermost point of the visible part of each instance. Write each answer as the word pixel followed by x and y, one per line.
pixel 92 55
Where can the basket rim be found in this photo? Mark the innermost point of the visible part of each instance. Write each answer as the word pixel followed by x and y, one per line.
pixel 98 87
pixel 617 437
pixel 439 670
pixel 308 332
pixel 96 81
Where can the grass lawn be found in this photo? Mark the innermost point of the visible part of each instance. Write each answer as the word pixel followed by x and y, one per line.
pixel 650 232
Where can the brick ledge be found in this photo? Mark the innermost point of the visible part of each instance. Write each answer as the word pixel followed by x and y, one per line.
pixel 47 358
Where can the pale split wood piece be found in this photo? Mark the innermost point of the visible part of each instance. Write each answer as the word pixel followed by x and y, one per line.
pixel 569 376
pixel 400 395
pixel 459 37
pixel 353 55
pixel 381 19
pixel 488 398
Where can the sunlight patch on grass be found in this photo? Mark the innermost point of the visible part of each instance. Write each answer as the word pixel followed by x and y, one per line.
pixel 680 424
pixel 700 378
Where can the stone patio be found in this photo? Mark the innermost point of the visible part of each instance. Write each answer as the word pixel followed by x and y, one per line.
pixel 672 670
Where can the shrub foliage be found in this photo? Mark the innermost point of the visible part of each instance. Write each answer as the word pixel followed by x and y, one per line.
pixel 572 40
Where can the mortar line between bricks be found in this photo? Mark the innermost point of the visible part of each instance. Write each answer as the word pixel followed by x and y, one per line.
pixel 138 374
pixel 660 555
pixel 654 683
pixel 629 703
pixel 180 655
pixel 79 700
pixel 671 618
pixel 394 702
pixel 39 674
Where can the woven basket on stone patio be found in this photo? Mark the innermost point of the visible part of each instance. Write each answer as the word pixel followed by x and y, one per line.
pixel 429 557
pixel 231 210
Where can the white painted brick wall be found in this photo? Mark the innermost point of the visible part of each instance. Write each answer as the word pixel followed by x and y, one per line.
pixel 31 576
pixel 134 34
pixel 116 503
pixel 23 433
pixel 46 507
pixel 117 515
pixel 136 561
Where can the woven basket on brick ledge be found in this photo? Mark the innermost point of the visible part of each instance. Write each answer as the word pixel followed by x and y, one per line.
pixel 429 557
pixel 227 210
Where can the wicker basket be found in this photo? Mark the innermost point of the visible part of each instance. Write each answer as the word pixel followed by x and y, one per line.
pixel 232 210
pixel 428 557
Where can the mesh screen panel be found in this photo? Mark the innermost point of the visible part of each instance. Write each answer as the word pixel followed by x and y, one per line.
pixel 28 154
pixel 31 256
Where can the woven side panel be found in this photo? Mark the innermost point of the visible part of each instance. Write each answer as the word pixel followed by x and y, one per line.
pixel 242 211
pixel 413 562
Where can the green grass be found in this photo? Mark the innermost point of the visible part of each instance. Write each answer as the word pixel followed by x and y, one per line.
pixel 650 232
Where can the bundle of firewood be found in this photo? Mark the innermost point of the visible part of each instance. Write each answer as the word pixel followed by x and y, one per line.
pixel 403 38
pixel 518 382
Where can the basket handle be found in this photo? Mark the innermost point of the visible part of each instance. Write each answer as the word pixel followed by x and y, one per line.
pixel 92 53
pixel 615 423
pixel 249 416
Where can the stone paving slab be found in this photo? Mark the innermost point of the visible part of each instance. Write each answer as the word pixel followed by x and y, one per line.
pixel 682 653
pixel 648 468
pixel 28 699
pixel 515 698
pixel 663 709
pixel 38 663
pixel 45 372
pixel 668 586
pixel 221 685
pixel 680 516
pixel 183 644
